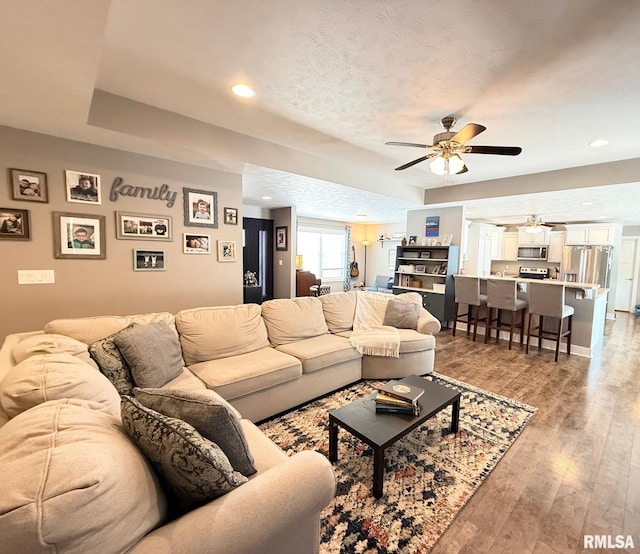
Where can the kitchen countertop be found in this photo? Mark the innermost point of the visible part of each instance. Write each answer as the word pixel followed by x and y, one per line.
pixel 568 284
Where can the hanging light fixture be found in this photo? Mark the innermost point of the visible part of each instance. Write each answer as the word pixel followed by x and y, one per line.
pixel 534 224
pixel 447 164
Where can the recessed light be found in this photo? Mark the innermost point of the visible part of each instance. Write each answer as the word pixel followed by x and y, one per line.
pixel 266 197
pixel 598 142
pixel 240 89
pixel 587 203
pixel 362 214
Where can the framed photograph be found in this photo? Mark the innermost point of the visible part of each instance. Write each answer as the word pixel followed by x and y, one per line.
pixel 29 185
pixel 200 208
pixel 148 260
pixel 281 238
pixel 446 241
pixel 425 255
pixel 79 236
pixel 143 226
pixel 14 224
pixel 231 216
pixel 421 269
pixel 195 243
pixel 226 250
pixel 435 269
pixel 83 187
pixel 413 239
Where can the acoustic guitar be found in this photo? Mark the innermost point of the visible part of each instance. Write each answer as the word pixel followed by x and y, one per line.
pixel 354 265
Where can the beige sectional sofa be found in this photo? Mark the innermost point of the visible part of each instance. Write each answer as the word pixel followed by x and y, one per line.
pixel 72 481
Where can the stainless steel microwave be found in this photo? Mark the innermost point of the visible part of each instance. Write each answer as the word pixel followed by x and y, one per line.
pixel 532 252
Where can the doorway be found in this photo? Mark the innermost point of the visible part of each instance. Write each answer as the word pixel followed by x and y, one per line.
pixel 628 269
pixel 257 254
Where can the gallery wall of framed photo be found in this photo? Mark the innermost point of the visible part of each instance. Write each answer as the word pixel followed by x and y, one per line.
pixel 112 225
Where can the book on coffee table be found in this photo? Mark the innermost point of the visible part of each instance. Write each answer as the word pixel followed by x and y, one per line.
pixel 410 409
pixel 401 391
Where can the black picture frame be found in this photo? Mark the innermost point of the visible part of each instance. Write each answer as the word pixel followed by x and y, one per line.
pixel 282 238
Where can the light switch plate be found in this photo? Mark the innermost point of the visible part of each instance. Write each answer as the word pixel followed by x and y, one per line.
pixel 36 276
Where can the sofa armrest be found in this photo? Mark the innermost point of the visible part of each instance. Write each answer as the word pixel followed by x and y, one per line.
pixel 427 323
pixel 277 511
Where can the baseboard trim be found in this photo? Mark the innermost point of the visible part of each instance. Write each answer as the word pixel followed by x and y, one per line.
pixel 547 344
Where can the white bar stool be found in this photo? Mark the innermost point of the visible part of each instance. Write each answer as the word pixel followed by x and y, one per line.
pixel 502 294
pixel 467 291
pixel 547 300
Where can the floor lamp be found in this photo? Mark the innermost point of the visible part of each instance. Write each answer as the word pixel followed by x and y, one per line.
pixel 365 243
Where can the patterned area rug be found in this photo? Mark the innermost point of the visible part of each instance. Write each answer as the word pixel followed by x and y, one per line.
pixel 430 474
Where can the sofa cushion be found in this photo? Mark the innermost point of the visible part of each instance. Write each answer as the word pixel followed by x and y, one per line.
pixel 413 341
pixel 212 416
pixel 112 364
pixel 294 319
pixel 194 469
pixel 45 377
pixel 152 353
pixel 339 310
pixel 71 481
pixel 248 373
pixel 220 332
pixel 321 351
pixel 91 329
pixel 401 314
pixel 50 344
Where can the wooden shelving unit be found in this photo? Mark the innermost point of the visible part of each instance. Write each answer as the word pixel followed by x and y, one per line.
pixel 428 270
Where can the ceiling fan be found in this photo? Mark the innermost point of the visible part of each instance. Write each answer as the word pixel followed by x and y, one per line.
pixel 448 146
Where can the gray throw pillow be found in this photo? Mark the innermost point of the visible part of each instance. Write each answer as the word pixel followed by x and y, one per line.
pixel 194 469
pixel 152 352
pixel 401 314
pixel 112 364
pixel 212 417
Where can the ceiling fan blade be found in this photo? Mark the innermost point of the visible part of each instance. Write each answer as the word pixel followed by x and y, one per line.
pixel 469 131
pixel 463 170
pixel 408 144
pixel 500 150
pixel 414 162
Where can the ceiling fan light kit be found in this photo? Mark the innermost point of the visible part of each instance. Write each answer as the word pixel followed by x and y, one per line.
pixel 447 165
pixel 448 146
pixel 534 224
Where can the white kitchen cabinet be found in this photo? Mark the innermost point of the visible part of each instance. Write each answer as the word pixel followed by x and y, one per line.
pixel 556 243
pixel 593 233
pixel 541 238
pixel 496 243
pixel 478 260
pixel 509 250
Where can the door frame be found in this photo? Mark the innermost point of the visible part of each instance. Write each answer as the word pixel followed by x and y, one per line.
pixel 636 272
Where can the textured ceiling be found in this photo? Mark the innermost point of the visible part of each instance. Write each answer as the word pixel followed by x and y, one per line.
pixel 337 79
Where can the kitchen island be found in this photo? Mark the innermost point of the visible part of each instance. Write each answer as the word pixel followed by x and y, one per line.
pixel 589 300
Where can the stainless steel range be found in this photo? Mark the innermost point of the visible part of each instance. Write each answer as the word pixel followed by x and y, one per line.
pixel 534 272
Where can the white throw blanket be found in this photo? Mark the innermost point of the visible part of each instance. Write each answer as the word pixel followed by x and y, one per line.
pixel 369 335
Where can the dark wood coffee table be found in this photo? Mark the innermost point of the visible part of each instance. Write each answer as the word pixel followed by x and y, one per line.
pixel 382 430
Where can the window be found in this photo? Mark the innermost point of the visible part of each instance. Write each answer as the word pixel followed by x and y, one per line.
pixel 323 251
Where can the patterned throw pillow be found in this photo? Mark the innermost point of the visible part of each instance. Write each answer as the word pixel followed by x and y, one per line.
pixel 211 416
pixel 193 468
pixel 152 352
pixel 401 314
pixel 112 364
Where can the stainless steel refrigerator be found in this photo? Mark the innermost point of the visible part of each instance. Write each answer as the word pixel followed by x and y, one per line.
pixel 586 264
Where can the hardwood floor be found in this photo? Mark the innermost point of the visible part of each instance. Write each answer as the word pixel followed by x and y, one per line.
pixel 575 469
